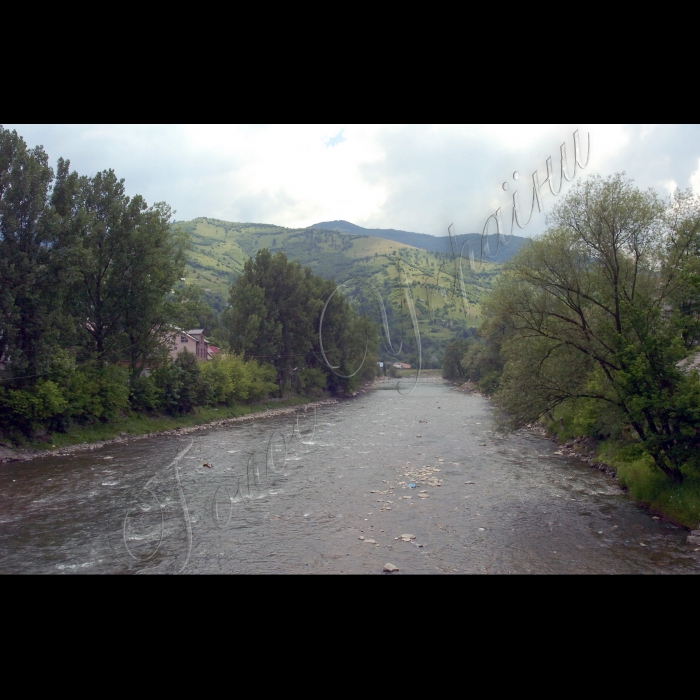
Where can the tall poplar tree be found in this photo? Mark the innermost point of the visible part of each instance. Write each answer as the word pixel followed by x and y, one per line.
pixel 36 238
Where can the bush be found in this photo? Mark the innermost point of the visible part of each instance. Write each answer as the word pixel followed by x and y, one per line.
pixel 145 396
pixel 182 385
pixel 312 381
pixel 97 393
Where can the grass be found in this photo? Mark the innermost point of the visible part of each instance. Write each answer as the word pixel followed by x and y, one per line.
pixel 650 487
pixel 143 425
pixel 636 471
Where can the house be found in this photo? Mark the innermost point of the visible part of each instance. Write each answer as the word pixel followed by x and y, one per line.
pixel 192 341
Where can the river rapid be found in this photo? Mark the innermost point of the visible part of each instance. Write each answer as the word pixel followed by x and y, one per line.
pixel 340 502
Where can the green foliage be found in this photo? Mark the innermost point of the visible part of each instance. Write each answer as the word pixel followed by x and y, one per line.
pixel 637 471
pixel 128 260
pixel 181 385
pixel 36 237
pixel 233 379
pixel 452 368
pixel 599 312
pixel 192 310
pixel 275 313
pixel 311 381
pixel 85 394
pixel 97 392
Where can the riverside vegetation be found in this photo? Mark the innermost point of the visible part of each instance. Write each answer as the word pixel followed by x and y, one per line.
pixel 593 330
pixel 91 291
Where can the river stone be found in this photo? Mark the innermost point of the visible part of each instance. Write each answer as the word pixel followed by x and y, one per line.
pixel 410 537
pixel 371 541
pixel 693 539
pixel 390 568
pixel 6 453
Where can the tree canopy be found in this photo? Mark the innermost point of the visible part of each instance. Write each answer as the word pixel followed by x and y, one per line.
pixel 602 308
pixel 274 316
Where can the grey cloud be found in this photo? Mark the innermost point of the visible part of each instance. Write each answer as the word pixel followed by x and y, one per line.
pixel 155 161
pixel 434 179
pixel 437 178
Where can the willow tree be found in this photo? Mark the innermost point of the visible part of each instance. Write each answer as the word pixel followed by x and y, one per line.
pixel 601 308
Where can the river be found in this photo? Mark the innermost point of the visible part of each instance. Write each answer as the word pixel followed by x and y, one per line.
pixel 484 503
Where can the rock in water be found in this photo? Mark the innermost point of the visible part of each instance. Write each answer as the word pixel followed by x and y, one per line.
pixel 390 567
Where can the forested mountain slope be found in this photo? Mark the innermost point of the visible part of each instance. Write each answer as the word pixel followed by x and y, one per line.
pixel 220 248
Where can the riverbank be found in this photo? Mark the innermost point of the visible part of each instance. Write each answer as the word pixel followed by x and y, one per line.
pixel 92 437
pixel 138 427
pixel 635 472
pixel 630 467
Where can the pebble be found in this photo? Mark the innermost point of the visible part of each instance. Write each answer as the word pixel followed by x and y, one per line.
pixel 390 567
pixel 360 537
pixel 371 541
pixel 410 537
pixel 468 482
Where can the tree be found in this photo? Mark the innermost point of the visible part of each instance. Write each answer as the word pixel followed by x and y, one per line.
pixel 129 260
pixel 597 309
pixel 35 250
pixel 452 362
pixel 274 316
pixel 192 310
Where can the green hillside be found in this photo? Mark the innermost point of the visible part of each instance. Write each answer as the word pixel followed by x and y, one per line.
pixel 440 244
pixel 220 249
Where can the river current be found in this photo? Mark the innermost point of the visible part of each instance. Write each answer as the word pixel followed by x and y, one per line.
pixel 340 503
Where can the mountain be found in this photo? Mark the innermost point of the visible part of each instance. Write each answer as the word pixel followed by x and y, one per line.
pixel 220 249
pixel 438 244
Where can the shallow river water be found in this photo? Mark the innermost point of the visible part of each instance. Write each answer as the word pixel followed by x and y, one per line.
pixel 497 504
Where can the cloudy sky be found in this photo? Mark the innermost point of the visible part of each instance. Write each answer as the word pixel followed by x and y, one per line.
pixel 415 178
